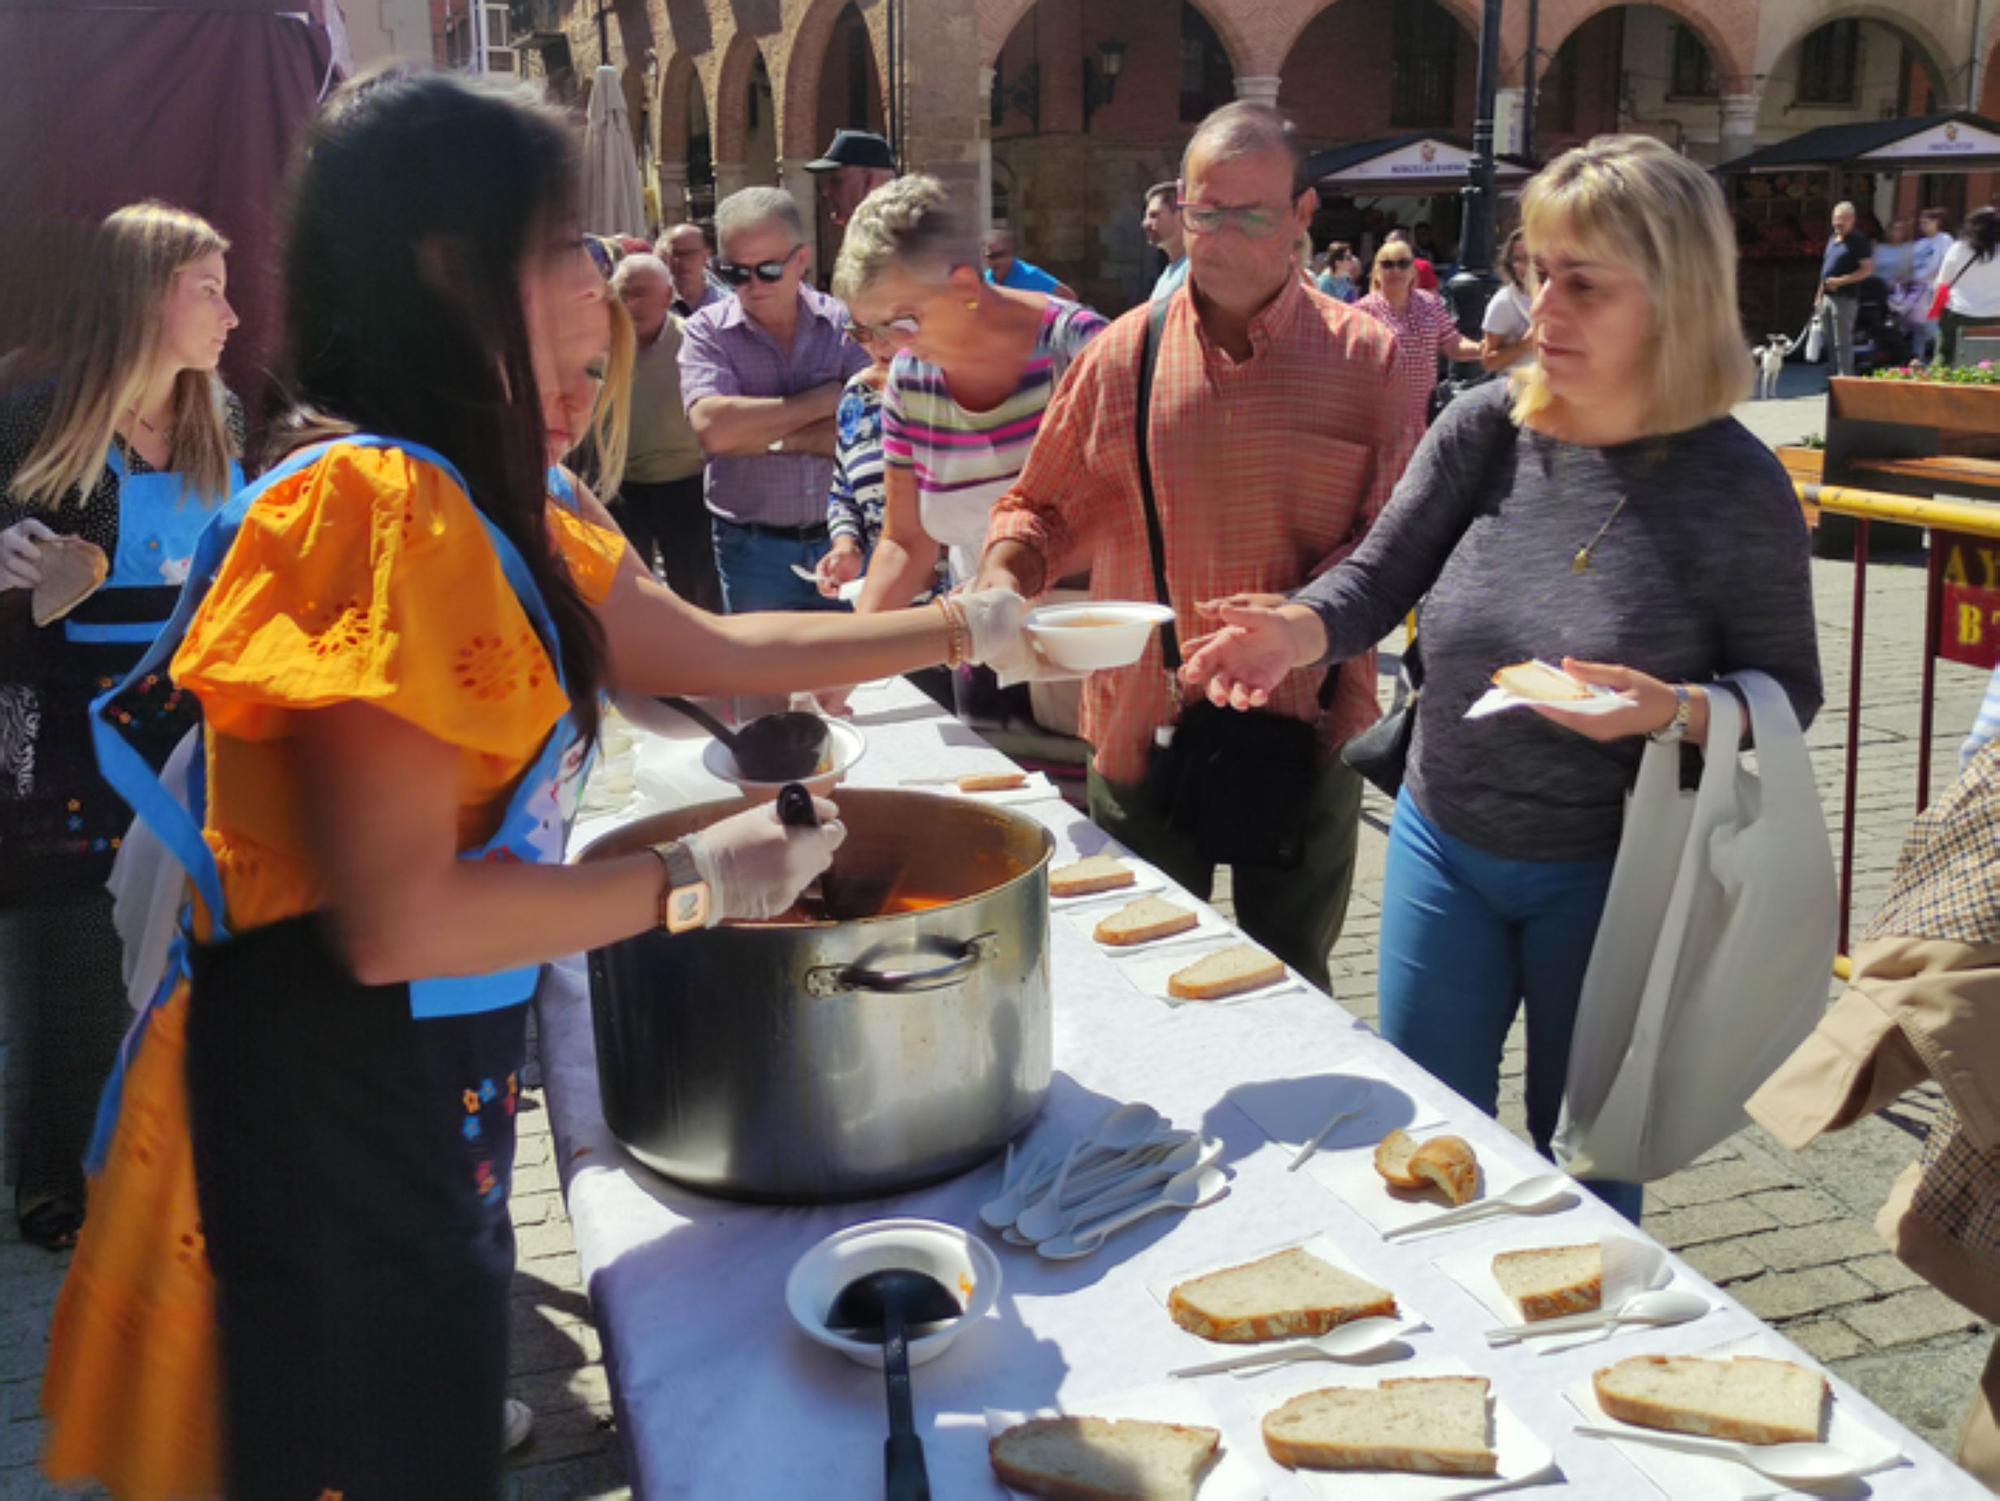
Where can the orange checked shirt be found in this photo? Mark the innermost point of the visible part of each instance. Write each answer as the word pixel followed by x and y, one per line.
pixel 1266 472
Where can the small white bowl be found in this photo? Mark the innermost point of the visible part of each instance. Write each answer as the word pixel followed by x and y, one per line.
pixel 844 745
pixel 964 1263
pixel 1094 635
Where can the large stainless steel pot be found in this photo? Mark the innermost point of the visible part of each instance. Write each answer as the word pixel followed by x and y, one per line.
pixel 819 1061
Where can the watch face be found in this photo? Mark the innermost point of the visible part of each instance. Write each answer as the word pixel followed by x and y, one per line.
pixel 687 908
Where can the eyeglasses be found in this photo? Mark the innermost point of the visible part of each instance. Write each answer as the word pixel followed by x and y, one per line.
pixel 600 255
pixel 1254 223
pixel 764 271
pixel 895 330
pixel 1394 263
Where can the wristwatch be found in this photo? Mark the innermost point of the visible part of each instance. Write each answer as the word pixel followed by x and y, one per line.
pixel 776 445
pixel 1675 730
pixel 684 895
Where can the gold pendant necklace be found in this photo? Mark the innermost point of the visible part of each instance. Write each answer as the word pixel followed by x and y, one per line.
pixel 1581 562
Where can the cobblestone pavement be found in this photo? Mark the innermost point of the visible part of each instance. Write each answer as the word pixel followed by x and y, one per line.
pixel 1789 1234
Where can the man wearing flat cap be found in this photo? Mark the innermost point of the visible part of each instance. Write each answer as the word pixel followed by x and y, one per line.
pixel 855 165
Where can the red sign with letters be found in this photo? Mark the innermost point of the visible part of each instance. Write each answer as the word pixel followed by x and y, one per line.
pixel 1969 599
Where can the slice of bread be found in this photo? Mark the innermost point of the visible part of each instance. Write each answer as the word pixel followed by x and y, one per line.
pixel 1392 1160
pixel 1430 1425
pixel 1290 1295
pixel 1448 1162
pixel 1550 1281
pixel 1102 1459
pixel 72 570
pixel 1230 971
pixel 1746 1398
pixel 1143 921
pixel 1098 873
pixel 993 781
pixel 1540 682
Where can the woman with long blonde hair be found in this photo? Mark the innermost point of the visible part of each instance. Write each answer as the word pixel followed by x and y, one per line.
pixel 118 460
pixel 1600 509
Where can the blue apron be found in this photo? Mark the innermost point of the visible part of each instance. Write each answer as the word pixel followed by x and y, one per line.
pixel 533 829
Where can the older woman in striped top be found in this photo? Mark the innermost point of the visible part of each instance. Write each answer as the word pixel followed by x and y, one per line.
pixel 976 366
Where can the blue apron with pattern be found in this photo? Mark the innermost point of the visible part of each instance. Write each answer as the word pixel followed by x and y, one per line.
pixel 533 830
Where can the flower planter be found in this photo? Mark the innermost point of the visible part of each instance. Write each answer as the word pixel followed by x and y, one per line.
pixel 1917 403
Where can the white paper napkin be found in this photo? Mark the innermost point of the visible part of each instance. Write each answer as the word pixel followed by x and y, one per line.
pixel 1039 789
pixel 1322 1246
pixel 1681 1474
pixel 1499 700
pixel 1234 1475
pixel 1289 1111
pixel 1352 1177
pixel 1630 1266
pixel 1522 1455
pixel 1208 925
pixel 1150 972
pixel 1144 880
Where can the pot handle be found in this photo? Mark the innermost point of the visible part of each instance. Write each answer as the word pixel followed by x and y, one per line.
pixel 971 953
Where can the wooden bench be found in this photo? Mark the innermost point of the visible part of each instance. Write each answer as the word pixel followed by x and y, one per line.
pixel 1913 438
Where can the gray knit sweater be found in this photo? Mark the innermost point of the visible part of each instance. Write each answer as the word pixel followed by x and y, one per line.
pixel 1704 572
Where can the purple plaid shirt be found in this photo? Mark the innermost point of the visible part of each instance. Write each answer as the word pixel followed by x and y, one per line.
pixel 723 353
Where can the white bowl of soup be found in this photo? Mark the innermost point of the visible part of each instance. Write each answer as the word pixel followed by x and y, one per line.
pixel 1096 634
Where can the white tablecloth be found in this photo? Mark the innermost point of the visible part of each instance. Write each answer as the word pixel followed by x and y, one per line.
pixel 720 1397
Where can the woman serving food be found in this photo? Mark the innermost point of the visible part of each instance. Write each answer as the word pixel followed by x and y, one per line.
pixel 1601 510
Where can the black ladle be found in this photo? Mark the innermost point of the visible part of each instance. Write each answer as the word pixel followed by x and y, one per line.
pixel 783 747
pixel 796 811
pixel 890 1306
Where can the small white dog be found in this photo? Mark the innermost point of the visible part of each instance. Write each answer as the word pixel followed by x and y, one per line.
pixel 1770 358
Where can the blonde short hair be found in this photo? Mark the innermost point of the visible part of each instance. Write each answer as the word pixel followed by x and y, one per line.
pixel 1633 202
pixel 909 223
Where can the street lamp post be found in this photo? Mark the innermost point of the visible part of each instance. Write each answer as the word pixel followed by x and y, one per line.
pixel 1473 287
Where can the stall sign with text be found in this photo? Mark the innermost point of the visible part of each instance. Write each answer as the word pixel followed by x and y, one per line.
pixel 1969 629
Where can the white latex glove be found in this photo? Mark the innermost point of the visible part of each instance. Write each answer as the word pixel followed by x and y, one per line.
pixel 21 553
pixel 1000 641
pixel 756 867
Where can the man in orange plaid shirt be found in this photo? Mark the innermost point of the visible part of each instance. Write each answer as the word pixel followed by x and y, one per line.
pixel 1273 448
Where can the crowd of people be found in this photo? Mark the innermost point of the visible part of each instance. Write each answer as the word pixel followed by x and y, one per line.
pixel 396 643
pixel 1906 298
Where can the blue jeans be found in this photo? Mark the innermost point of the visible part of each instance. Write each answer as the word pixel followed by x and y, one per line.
pixel 1466 938
pixel 755 570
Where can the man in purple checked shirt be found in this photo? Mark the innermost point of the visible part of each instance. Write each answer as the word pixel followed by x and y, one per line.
pixel 761 376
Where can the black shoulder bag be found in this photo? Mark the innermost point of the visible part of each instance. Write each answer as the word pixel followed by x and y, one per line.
pixel 1238 783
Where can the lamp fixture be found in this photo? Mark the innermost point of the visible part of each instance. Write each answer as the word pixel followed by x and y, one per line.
pixel 1100 77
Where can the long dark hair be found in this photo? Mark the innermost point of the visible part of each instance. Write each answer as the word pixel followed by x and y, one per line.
pixel 419 200
pixel 1982 233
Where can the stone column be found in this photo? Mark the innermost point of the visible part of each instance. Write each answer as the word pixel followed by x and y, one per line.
pixel 1739 125
pixel 1508 108
pixel 943 108
pixel 796 180
pixel 1258 89
pixel 730 177
pixel 673 192
pixel 986 80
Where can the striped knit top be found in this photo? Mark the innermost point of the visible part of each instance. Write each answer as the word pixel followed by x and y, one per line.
pixel 965 461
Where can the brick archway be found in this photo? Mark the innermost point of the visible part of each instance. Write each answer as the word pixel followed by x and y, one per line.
pixel 1245 39
pixel 678 82
pixel 729 111
pixel 805 66
pixel 1731 52
pixel 1930 47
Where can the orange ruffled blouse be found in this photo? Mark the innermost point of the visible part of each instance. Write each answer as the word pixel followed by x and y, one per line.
pixel 366 578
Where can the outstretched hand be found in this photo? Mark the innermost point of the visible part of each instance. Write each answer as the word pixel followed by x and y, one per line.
pixel 1258 641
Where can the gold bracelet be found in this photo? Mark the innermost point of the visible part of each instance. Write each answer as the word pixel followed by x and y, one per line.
pixel 957 632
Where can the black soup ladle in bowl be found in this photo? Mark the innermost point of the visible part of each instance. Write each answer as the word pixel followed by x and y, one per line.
pixel 784 747
pixel 889 1305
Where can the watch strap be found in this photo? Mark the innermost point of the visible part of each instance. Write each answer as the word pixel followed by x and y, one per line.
pixel 685 900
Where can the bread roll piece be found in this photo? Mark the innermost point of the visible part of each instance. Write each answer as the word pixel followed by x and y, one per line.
pixel 1098 873
pixel 993 781
pixel 1448 1162
pixel 72 571
pixel 1746 1398
pixel 1392 1160
pixel 1551 1281
pixel 1101 1459
pixel 1291 1295
pixel 1230 971
pixel 1143 921
pixel 1540 682
pixel 1430 1425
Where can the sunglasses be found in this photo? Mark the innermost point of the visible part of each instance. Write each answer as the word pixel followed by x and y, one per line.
pixel 764 271
pixel 896 329
pixel 1395 263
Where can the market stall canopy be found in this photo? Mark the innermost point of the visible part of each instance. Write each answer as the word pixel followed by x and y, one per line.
pixel 613 200
pixel 1407 164
pixel 1958 141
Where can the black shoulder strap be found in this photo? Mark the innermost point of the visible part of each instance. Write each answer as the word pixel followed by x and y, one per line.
pixel 1149 358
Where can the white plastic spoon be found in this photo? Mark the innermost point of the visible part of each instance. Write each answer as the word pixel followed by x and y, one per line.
pixel 1348 1342
pixel 1187 1190
pixel 1001 1210
pixel 1794 1464
pixel 1306 1151
pixel 1108 1197
pixel 1119 1132
pixel 1529 1196
pixel 1665 1305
